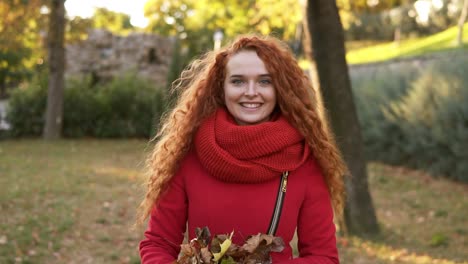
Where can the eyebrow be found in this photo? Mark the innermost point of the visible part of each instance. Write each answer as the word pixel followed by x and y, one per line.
pixel 241 75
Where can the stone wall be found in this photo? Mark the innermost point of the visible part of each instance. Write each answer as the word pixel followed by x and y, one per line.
pixel 104 56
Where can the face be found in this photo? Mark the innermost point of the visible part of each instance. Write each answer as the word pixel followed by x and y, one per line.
pixel 249 93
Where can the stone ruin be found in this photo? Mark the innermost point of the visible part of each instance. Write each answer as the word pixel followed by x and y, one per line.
pixel 104 56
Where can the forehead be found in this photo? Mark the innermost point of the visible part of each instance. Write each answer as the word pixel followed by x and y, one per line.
pixel 245 62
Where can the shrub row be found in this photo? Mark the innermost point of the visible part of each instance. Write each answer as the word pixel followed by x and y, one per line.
pixel 417 117
pixel 125 107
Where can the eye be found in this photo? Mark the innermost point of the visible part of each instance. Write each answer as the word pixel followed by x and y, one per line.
pixel 265 81
pixel 237 81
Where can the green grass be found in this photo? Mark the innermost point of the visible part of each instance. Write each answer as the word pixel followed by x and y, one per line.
pixel 423 220
pixel 73 201
pixel 443 41
pixel 68 200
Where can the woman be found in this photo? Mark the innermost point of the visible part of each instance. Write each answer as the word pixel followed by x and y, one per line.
pixel 246 121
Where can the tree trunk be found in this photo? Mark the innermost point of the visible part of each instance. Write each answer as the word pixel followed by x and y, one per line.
pixel 461 23
pixel 328 51
pixel 56 35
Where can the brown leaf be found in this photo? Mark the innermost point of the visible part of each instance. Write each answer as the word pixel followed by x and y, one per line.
pixel 260 246
pixel 187 250
pixel 277 245
pixel 261 253
pixel 206 255
pixel 252 243
pixel 268 238
pixel 203 235
pixel 233 248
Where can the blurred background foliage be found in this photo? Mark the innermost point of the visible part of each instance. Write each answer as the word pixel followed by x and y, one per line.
pixel 416 116
pixel 193 22
pixel 126 107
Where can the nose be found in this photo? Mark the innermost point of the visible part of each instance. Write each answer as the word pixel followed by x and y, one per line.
pixel 251 89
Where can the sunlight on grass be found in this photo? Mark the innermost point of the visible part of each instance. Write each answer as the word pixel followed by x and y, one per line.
pixel 445 40
pixel 383 253
pixel 118 172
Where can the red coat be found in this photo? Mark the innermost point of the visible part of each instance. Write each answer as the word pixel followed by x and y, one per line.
pixel 196 198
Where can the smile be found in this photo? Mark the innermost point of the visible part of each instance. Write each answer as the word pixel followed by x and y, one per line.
pixel 251 105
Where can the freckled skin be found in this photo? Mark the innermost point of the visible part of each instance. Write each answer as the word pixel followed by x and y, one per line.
pixel 249 93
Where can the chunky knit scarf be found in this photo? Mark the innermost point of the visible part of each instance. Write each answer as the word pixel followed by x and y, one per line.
pixel 248 154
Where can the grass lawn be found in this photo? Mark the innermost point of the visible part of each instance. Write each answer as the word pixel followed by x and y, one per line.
pixel 423 220
pixel 70 201
pixel 443 41
pixel 73 201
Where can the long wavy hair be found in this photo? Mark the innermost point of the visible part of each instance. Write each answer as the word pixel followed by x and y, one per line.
pixel 201 93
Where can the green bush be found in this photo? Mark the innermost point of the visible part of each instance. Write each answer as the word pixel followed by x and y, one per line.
pixel 372 94
pixel 417 118
pixel 26 108
pixel 434 115
pixel 160 104
pixel 125 107
pixel 81 109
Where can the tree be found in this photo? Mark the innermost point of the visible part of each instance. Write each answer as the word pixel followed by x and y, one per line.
pixel 234 17
pixel 461 22
pixel 20 43
pixel 56 58
pixel 168 17
pixel 118 23
pixel 325 31
pixel 77 29
pixel 376 19
pixel 195 21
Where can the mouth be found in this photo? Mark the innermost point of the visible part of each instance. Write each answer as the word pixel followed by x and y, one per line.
pixel 251 105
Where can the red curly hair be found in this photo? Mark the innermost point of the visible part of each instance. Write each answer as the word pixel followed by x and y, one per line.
pixel 201 86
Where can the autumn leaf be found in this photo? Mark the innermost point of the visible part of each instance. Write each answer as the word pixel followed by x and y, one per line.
pixel 252 243
pixel 259 246
pixel 187 250
pixel 206 255
pixel 277 244
pixel 224 247
pixel 203 236
pixel 261 254
pixel 255 250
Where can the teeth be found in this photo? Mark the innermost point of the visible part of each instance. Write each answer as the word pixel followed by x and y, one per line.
pixel 253 105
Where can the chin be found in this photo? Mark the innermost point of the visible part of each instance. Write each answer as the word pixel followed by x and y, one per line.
pixel 247 122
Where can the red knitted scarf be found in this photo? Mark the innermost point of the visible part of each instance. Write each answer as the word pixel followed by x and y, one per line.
pixel 248 154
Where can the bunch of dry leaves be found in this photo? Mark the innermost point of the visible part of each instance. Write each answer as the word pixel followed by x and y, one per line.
pixel 221 250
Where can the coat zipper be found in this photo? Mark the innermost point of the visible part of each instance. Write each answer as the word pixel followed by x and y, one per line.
pixel 279 204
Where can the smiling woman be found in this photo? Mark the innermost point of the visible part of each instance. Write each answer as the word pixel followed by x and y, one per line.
pixel 244 149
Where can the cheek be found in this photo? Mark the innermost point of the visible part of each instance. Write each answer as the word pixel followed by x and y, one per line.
pixel 273 95
pixel 225 92
pixel 230 93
